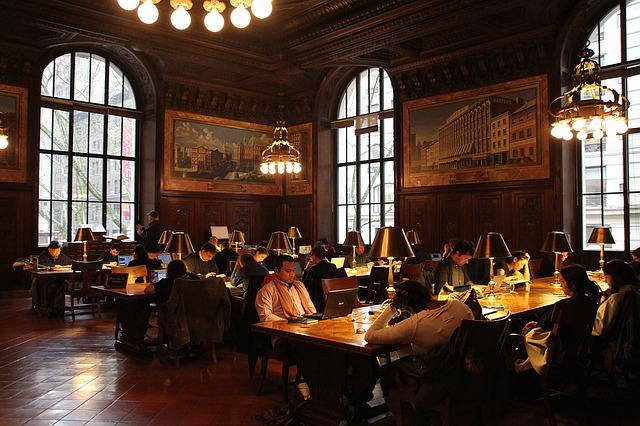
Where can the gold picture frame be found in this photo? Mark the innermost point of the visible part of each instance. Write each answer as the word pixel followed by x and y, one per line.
pixel 13 120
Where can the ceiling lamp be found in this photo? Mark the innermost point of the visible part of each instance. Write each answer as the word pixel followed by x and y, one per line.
pixel 589 108
pixel 4 138
pixel 280 156
pixel 213 20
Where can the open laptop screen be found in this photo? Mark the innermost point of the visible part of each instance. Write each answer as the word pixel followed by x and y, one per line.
pixel 165 257
pixel 338 261
pixel 124 259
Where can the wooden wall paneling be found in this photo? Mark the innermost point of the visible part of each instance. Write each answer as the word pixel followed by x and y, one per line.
pixel 454 216
pixel 419 213
pixel 299 212
pixel 529 221
pixel 488 215
pixel 209 213
pixel 178 214
pixel 15 229
pixel 242 216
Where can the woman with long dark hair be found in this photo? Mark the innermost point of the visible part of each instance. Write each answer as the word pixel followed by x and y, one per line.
pixel 620 278
pixel 175 269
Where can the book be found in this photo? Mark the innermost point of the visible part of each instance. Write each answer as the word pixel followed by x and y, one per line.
pixel 302 320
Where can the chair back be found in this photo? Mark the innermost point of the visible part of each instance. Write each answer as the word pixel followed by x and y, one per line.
pixel 411 271
pixel 572 321
pixel 133 273
pixel 379 280
pixel 329 284
pixel 90 273
pixel 624 334
pixel 249 313
pixel 429 265
pixel 380 275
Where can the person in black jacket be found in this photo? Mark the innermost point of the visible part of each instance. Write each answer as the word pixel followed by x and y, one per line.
pixel 162 288
pixel 141 257
pixel 151 235
pixel 52 256
pixel 224 256
pixel 317 269
pixel 111 255
pixel 201 262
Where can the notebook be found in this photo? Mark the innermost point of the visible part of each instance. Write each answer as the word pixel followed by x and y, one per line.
pixel 338 261
pixel 339 303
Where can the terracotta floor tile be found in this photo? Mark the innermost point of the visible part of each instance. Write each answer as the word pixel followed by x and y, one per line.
pixel 52 414
pixel 67 404
pixel 80 414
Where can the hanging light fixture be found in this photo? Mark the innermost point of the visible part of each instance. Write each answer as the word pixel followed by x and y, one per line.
pixel 213 20
pixel 4 138
pixel 280 156
pixel 589 108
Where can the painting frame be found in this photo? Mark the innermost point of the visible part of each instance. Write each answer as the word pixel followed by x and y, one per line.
pixel 17 131
pixel 301 185
pixel 420 177
pixel 169 182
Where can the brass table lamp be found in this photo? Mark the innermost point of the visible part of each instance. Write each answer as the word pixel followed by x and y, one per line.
pixel 84 235
pixel 390 242
pixel 237 237
pixel 556 243
pixel 353 239
pixel 179 244
pixel 294 233
pixel 413 237
pixel 279 242
pixel 490 246
pixel 601 235
pixel 164 238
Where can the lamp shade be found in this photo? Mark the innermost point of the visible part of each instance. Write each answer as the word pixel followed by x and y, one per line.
pixel 390 241
pixel 601 235
pixel 413 237
pixel 236 237
pixel 354 239
pixel 279 241
pixel 491 245
pixel 165 237
pixel 556 242
pixel 294 232
pixel 84 234
pixel 179 243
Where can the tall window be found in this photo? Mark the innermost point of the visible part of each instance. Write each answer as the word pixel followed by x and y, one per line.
pixel 364 146
pixel 88 145
pixel 610 190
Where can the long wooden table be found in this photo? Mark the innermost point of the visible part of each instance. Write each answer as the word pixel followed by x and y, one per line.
pixel 340 367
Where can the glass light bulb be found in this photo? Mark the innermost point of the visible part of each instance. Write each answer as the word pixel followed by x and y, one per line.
pixel 610 123
pixel 556 131
pixel 261 8
pixel 128 4
pixel 582 135
pixel 272 168
pixel 240 17
pixel 567 136
pixel 264 168
pixel 578 124
pixel 148 12
pixel 598 134
pixel 621 126
pixel 214 21
pixel 280 167
pixel 180 18
pixel 4 141
pixel 289 167
pixel 596 123
pixel 297 168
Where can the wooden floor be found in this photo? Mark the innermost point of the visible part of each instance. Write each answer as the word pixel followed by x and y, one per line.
pixel 64 373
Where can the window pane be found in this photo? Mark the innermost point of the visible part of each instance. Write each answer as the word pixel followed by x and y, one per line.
pixel 80 131
pixel 60 130
pixel 594 44
pixel 375 183
pixel 44 222
pixel 342 223
pixel 374 89
pixel 59 217
pixel 62 85
pixel 633 92
pixel 374 142
pixel 364 146
pixel 95 179
pixel 128 219
pixel 46 84
pixel 129 137
pixel 591 216
pixel 634 162
pixel 633 33
pixel 115 86
pixel 46 128
pixel 60 172
pixel 376 221
pixel 95 213
pixel 351 185
pixel 129 100
pixel 114 135
pixel 98 76
pixel 342 145
pixel 128 181
pixel 364 93
pixel 45 176
pixel 113 180
pixel 342 186
pixel 79 179
pixel 388 91
pixel 614 217
pixel 389 215
pixel 113 219
pixel 342 110
pixel 96 133
pixel 365 223
pixel 78 216
pixel 351 144
pixel 81 78
pixel 351 219
pixel 351 99
pixel 634 220
pixel 389 192
pixel 591 165
pixel 388 137
pixel 364 183
pixel 610 38
pixel 612 163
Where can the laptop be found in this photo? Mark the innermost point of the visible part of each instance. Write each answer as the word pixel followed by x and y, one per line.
pixel 124 259
pixel 165 258
pixel 338 261
pixel 436 257
pixel 340 303
pixel 304 249
pixel 157 274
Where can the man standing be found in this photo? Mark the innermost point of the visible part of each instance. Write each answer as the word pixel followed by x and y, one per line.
pixel 150 235
pixel 317 269
pixel 452 270
pixel 283 296
pixel 201 262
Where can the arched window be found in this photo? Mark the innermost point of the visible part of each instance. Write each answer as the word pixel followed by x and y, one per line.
pixel 365 151
pixel 88 145
pixel 610 167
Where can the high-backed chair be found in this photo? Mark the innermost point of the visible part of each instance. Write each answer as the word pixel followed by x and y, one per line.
pixel 79 285
pixel 411 271
pixel 329 284
pixel 379 280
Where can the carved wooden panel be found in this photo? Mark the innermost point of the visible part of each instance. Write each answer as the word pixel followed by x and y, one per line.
pixel 454 216
pixel 488 215
pixel 419 213
pixel 242 216
pixel 209 213
pixel 529 222
pixel 15 216
pixel 299 213
pixel 178 214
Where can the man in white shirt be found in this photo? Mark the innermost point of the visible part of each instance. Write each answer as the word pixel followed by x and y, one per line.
pixel 283 296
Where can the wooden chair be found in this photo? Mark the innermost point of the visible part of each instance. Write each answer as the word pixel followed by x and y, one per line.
pixel 329 284
pixel 379 280
pixel 90 275
pixel 136 275
pixel 411 271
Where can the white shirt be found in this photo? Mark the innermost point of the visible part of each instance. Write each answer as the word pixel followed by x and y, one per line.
pixel 268 303
pixel 607 311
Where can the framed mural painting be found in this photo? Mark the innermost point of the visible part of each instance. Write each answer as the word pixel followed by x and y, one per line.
pixel 492 134
pixel 211 154
pixel 301 184
pixel 13 123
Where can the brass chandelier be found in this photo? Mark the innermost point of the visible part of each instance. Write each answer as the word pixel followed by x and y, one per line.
pixel 280 156
pixel 589 108
pixel 213 20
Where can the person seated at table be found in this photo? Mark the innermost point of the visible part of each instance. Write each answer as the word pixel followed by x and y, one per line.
pixel 635 255
pixel 548 264
pixel 260 254
pixel 247 269
pixel 620 278
pixel 317 268
pixel 283 296
pixel 517 267
pixel 175 269
pixel 429 325
pixel 452 271
pixel 447 247
pixel 51 256
pixel 223 257
pixel 214 240
pixel 331 250
pixel 202 262
pixel 154 252
pixel 112 254
pixel 635 265
pixel 141 257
